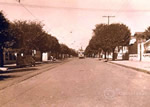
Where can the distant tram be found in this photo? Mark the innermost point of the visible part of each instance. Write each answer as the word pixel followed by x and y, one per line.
pixel 81 53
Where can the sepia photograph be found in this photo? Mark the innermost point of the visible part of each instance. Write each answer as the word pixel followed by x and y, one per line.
pixel 74 53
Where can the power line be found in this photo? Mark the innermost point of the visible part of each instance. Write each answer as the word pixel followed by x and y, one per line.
pixel 55 7
pixel 122 6
pixel 75 8
pixel 29 12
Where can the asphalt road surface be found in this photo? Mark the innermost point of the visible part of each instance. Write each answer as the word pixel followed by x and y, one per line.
pixel 81 83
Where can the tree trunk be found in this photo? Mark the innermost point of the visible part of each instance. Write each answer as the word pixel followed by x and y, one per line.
pixel 49 55
pixel 105 55
pixel 113 55
pixel 18 58
pixel 99 54
pixel 41 56
pixel 56 54
pixel 60 55
pixel 1 57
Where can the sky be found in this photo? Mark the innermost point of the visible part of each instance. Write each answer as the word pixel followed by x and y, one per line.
pixel 72 21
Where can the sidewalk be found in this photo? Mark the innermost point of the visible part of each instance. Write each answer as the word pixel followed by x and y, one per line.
pixel 14 66
pixel 137 65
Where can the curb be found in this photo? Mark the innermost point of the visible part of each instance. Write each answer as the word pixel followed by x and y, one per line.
pixel 15 68
pixel 137 69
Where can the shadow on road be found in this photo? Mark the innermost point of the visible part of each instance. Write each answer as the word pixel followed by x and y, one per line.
pixel 3 77
pixel 18 70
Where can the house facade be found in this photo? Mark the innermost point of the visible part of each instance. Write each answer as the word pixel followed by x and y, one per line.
pixel 9 56
pixel 140 49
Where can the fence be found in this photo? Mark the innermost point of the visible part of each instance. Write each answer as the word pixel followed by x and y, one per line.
pixel 146 57
pixel 135 57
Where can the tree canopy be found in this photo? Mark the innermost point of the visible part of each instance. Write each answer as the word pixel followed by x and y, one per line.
pixel 26 36
pixel 146 34
pixel 108 37
pixel 31 36
pixel 5 37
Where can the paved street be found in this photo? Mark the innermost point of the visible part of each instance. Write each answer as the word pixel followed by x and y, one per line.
pixel 81 83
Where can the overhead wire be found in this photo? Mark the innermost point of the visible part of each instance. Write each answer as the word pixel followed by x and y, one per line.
pixel 122 5
pixel 74 8
pixel 28 10
pixel 122 2
pixel 31 13
pixel 48 29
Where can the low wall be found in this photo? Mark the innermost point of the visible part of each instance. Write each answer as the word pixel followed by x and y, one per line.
pixel 133 57
pixel 146 57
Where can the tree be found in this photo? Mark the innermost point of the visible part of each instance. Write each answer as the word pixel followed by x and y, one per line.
pixel 108 37
pixel 73 52
pixel 44 43
pixel 26 35
pixel 55 47
pixel 5 37
pixel 64 49
pixel 101 37
pixel 30 36
pixel 94 46
pixel 146 34
pixel 119 35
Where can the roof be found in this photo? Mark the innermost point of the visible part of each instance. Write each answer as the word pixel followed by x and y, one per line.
pixel 132 40
pixel 147 43
pixel 138 33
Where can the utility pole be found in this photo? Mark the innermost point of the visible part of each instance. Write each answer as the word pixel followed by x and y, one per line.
pixel 19 1
pixel 109 18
